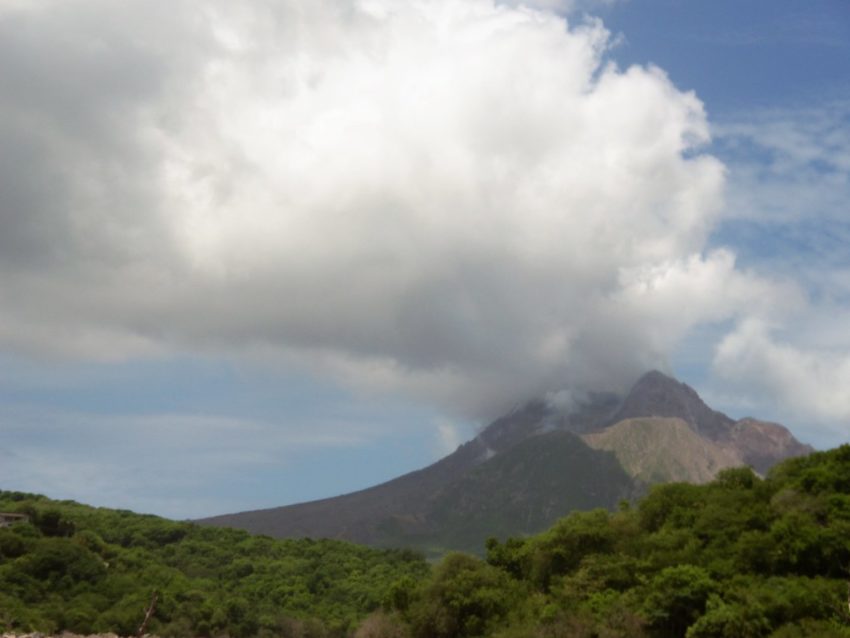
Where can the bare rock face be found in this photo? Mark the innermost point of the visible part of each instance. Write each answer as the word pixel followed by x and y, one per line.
pixel 762 444
pixel 759 444
pixel 664 449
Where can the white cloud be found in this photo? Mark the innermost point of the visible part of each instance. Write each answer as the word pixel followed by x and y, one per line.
pixel 560 6
pixel 452 198
pixel 805 382
pixel 671 298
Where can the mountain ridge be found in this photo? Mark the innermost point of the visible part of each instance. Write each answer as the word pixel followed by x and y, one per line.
pixel 435 508
pixel 657 395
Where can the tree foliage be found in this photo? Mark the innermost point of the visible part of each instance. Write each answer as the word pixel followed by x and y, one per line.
pixel 742 557
pixel 83 569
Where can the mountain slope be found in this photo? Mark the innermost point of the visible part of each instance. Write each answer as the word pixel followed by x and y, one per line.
pixel 759 444
pixel 525 490
pixel 762 444
pixel 367 515
pixel 460 500
pixel 656 394
pixel 663 449
pixel 528 468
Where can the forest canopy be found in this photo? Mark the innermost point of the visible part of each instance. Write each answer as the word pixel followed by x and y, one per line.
pixel 741 557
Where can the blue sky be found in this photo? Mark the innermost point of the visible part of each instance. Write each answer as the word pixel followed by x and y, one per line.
pixel 245 263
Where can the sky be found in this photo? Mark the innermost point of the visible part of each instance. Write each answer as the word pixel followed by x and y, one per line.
pixel 263 252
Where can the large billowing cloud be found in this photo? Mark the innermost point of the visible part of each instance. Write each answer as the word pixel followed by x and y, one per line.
pixel 455 198
pixel 561 6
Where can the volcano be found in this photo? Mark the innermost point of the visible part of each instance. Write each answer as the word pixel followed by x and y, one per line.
pixel 536 464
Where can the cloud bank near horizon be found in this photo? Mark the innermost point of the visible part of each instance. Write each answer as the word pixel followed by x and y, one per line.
pixel 459 200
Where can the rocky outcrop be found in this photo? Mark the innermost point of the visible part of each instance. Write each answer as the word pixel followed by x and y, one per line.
pixel 762 444
pixel 663 449
pixel 657 395
pixel 759 444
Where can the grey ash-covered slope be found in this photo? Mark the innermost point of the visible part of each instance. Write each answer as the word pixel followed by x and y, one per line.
pixel 525 490
pixel 518 476
pixel 532 466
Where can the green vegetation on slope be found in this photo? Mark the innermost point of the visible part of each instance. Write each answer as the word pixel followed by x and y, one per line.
pixel 740 557
pixel 84 569
pixel 525 490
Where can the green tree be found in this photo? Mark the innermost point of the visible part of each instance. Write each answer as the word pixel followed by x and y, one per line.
pixel 465 598
pixel 723 620
pixel 677 597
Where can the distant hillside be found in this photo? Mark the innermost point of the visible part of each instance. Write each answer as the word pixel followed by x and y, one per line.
pixel 462 499
pixel 389 513
pixel 528 468
pixel 523 491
